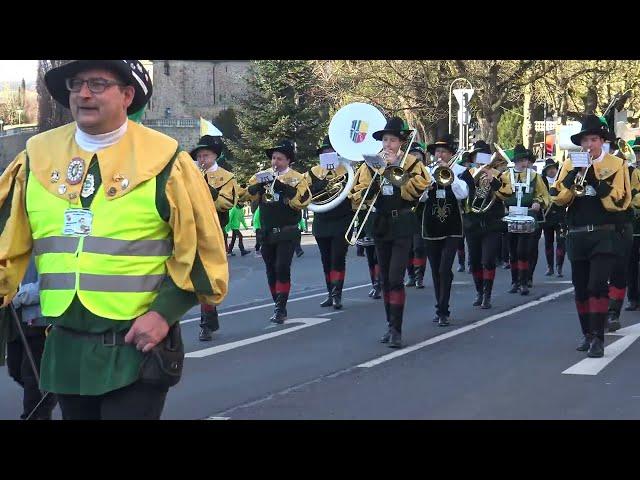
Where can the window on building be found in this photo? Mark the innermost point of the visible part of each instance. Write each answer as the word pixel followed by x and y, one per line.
pixel 166 67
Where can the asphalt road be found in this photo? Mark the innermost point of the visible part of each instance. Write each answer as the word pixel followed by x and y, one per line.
pixel 502 363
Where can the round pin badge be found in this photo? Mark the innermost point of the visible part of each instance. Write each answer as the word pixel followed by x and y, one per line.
pixel 75 171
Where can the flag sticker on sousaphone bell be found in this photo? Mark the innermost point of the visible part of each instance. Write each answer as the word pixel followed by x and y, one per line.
pixel 359 131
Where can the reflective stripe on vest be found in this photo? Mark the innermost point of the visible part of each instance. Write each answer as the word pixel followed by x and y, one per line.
pixel 116 271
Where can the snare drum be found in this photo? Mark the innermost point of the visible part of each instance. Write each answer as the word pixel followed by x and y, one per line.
pixel 520 223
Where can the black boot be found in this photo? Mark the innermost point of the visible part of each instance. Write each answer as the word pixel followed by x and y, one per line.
pixel 596 349
pixel 420 276
pixel 280 310
pixel 387 336
pixel 410 282
pixel 328 302
pixel 524 283
pixel 377 288
pixel 586 343
pixel 633 305
pixel 524 289
pixel 336 295
pixel 205 333
pixel 487 287
pixel 436 318
pixel 443 321
pixel 461 268
pixel 395 338
pixel 514 288
pixel 613 321
pixel 478 301
pixel 559 271
pixel 549 271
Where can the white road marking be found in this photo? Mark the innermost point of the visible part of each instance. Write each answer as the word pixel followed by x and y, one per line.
pixel 218 418
pixel 303 323
pixel 331 313
pixel 593 366
pixel 256 307
pixel 453 333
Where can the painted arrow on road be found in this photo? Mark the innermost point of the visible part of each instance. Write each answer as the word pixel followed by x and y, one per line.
pixel 299 323
pixel 593 366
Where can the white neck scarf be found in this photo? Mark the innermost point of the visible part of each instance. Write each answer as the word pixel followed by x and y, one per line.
pixel 94 143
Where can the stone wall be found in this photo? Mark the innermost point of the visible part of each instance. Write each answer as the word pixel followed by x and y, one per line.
pixel 195 88
pixel 186 137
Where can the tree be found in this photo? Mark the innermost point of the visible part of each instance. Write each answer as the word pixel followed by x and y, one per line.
pixel 510 129
pixel 50 113
pixel 281 102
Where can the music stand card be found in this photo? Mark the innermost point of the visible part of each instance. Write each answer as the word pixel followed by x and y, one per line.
pixel 329 161
pixel 579 159
pixel 264 177
pixel 483 158
pixel 518 211
pixel 373 161
pixel 606 147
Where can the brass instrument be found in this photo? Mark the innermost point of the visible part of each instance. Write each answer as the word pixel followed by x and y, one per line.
pixel 336 184
pixel 578 187
pixel 268 195
pixel 444 176
pixel 484 198
pixel 626 151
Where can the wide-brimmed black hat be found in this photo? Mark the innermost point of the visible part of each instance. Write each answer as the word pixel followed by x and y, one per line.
pixel 210 143
pixel 548 163
pixel 284 146
pixel 520 153
pixel 326 143
pixel 132 72
pixel 417 147
pixel 480 147
pixel 395 126
pixel 593 126
pixel 445 142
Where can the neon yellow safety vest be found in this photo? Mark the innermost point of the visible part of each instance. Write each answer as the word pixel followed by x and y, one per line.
pixel 116 271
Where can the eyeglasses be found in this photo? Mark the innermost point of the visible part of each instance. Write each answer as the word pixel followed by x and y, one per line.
pixel 96 85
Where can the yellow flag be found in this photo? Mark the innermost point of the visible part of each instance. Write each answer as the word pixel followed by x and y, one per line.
pixel 208 128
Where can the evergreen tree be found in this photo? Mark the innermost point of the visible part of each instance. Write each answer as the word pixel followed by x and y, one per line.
pixel 281 103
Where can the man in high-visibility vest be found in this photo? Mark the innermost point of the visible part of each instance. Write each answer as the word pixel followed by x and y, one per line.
pixel 125 240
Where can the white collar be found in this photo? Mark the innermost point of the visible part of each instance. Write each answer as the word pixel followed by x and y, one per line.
pixel 93 143
pixel 282 172
pixel 213 168
pixel 599 159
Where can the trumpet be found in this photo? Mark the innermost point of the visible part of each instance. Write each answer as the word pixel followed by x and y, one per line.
pixel 203 168
pixel 444 176
pixel 269 193
pixel 578 187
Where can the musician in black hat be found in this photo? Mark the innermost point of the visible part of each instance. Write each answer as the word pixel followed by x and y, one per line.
pixel 482 220
pixel 537 234
pixel 418 253
pixel 633 293
pixel 395 221
pixel 621 268
pixel 330 227
pixel 594 237
pixel 281 203
pixel 555 222
pixel 224 192
pixel 441 222
pixel 524 183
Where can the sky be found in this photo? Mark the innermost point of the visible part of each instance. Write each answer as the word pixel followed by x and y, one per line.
pixel 16 70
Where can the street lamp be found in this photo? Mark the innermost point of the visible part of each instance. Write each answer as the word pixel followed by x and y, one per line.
pixel 463 95
pixel 1 124
pixel 19 111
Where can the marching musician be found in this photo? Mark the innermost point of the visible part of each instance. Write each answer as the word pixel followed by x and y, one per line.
pixel 594 238
pixel 524 182
pixel 441 223
pixel 555 222
pixel 330 227
pixel 224 192
pixel 483 223
pixel 281 202
pixel 621 267
pixel 418 253
pixel 395 221
pixel 537 233
pixel 633 294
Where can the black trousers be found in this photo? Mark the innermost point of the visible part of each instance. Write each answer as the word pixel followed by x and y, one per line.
pixel 258 236
pixel 392 258
pixel 549 233
pixel 372 261
pixel 461 252
pixel 620 270
pixel 483 251
pixel 533 253
pixel 333 253
pixel 236 234
pixel 277 258
pixel 632 292
pixel 441 254
pixel 20 369
pixel 520 245
pixel 504 251
pixel 137 401
pixel 592 256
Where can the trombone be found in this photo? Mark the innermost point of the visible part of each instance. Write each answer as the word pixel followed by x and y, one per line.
pixel 394 175
pixel 444 176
